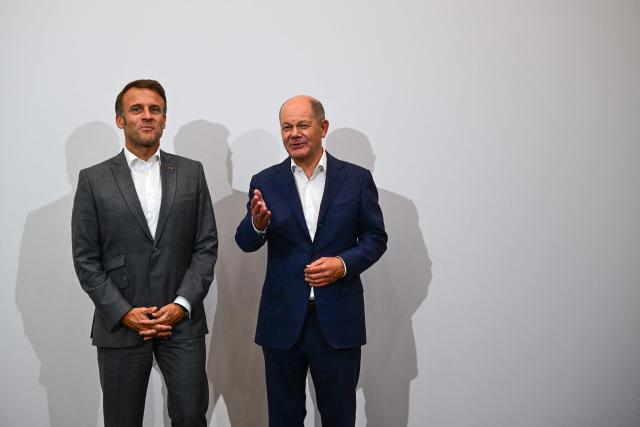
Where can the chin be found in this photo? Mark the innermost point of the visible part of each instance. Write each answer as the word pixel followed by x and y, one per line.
pixel 299 154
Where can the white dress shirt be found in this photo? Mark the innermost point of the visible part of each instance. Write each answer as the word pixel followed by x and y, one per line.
pixel 146 179
pixel 310 190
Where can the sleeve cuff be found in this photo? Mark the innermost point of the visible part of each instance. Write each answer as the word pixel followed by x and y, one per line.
pixel 262 233
pixel 182 301
pixel 343 265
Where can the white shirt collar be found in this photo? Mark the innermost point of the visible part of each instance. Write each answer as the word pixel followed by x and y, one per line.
pixel 321 166
pixel 132 158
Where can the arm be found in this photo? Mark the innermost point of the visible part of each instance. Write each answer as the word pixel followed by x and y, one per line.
pixel 370 245
pixel 87 259
pixel 198 277
pixel 372 238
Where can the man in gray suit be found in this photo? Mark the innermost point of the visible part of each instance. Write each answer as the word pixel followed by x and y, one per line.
pixel 144 247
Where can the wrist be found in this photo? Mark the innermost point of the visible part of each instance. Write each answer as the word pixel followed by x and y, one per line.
pixel 185 312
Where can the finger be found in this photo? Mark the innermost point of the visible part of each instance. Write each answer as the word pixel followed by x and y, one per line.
pixel 257 193
pixel 150 323
pixel 149 310
pixel 315 269
pixel 255 205
pixel 160 312
pixel 263 216
pixel 317 263
pixel 315 275
pixel 163 328
pixel 315 282
pixel 162 320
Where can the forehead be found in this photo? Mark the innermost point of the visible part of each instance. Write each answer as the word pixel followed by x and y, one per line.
pixel 141 96
pixel 296 110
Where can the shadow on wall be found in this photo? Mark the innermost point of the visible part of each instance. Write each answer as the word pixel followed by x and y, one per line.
pixel 235 366
pixel 395 287
pixel 56 313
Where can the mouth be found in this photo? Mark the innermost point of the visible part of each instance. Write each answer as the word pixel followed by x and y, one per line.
pixel 297 145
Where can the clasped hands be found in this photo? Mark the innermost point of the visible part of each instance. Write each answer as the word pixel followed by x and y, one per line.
pixel 320 272
pixel 151 322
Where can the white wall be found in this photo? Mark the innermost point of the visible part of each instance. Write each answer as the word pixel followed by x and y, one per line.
pixel 504 138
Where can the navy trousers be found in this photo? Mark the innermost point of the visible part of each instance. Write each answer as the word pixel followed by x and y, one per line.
pixel 124 377
pixel 334 372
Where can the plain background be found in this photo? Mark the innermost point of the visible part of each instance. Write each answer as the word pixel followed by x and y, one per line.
pixel 504 137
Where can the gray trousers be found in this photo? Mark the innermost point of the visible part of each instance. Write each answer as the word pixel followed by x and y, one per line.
pixel 124 377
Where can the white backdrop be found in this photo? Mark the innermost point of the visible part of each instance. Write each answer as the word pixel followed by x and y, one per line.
pixel 505 141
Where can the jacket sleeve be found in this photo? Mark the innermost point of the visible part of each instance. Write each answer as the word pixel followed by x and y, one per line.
pixel 198 277
pixel 247 238
pixel 87 258
pixel 372 237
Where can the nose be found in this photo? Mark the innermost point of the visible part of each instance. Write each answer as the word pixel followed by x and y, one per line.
pixel 295 132
pixel 146 113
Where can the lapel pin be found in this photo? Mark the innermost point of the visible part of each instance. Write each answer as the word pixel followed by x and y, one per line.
pixel 170 167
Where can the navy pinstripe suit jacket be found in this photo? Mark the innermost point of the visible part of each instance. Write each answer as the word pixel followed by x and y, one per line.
pixel 350 225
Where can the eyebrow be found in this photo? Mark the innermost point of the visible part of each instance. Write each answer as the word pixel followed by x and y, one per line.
pixel 141 104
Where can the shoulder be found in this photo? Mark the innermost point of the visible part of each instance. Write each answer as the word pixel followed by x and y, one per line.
pixel 103 166
pixel 181 161
pixel 273 170
pixel 350 168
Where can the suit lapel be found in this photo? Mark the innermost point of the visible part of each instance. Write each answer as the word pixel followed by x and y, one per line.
pixel 122 173
pixel 168 179
pixel 286 185
pixel 335 178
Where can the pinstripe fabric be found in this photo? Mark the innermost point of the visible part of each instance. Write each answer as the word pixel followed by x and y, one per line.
pixel 350 225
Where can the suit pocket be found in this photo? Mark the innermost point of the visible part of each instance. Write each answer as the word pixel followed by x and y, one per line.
pixel 185 197
pixel 115 268
pixel 114 263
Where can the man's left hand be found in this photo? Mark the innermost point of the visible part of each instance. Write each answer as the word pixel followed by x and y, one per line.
pixel 324 271
pixel 170 314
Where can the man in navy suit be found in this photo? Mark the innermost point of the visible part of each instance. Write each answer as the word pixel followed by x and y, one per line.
pixel 324 227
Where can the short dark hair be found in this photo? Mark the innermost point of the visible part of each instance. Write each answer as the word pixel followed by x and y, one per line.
pixel 141 84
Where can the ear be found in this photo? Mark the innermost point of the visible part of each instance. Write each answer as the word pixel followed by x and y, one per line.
pixel 120 121
pixel 325 127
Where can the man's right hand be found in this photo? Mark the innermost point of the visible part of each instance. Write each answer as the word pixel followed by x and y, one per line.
pixel 138 319
pixel 260 215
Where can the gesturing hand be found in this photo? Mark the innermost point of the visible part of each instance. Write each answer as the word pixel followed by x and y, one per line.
pixel 324 271
pixel 259 212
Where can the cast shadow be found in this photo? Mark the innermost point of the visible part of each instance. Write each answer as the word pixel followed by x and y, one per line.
pixel 395 287
pixel 56 313
pixel 235 365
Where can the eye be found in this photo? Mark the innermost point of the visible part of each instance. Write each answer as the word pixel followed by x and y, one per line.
pixel 135 109
pixel 286 128
pixel 304 126
pixel 156 109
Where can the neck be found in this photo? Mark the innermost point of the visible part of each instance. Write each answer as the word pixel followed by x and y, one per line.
pixel 143 152
pixel 308 166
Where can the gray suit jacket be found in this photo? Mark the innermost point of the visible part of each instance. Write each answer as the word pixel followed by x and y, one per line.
pixel 121 266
